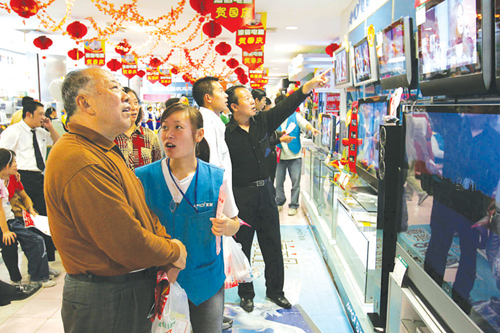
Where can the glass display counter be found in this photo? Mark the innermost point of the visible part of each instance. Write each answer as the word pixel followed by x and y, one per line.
pixel 346 233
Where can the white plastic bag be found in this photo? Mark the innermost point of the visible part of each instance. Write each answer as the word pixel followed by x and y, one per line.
pixel 175 315
pixel 236 265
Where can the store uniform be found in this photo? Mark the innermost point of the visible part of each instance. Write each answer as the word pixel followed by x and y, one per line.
pixel 109 241
pixel 254 193
pixel 203 278
pixel 19 138
pixel 290 159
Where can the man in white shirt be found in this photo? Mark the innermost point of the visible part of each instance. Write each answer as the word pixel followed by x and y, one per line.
pixel 212 100
pixel 21 138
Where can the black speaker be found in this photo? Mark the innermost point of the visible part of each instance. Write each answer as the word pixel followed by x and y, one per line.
pixel 388 212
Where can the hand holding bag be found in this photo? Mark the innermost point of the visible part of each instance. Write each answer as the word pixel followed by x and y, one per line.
pixel 236 265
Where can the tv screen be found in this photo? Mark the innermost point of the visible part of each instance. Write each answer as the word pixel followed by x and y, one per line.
pixel 396 64
pixel 342 68
pixel 365 63
pixel 370 116
pixel 454 44
pixel 497 43
pixel 328 132
pixel 450 216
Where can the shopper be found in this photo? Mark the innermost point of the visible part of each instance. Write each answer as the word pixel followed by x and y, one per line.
pixel 260 99
pixel 109 240
pixel 247 137
pixel 212 100
pixel 139 145
pixel 186 204
pixel 29 141
pixel 51 113
pixel 18 115
pixel 291 160
pixel 11 229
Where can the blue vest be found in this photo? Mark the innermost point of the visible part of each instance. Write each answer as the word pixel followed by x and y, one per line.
pixel 204 273
pixel 294 145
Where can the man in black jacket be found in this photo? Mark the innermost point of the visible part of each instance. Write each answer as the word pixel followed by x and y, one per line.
pixel 247 137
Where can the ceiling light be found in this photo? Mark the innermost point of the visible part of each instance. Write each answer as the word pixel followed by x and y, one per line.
pixel 291 28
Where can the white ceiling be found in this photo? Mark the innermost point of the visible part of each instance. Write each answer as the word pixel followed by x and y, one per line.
pixel 318 23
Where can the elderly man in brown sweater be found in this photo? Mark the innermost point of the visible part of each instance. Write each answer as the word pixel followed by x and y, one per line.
pixel 109 241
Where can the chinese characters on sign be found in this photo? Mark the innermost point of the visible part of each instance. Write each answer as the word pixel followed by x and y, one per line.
pixel 129 65
pixel 233 14
pixel 152 74
pixel 165 77
pixel 253 60
pixel 94 53
pixel 252 36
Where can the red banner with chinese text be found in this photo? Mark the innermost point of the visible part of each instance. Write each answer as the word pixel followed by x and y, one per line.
pixel 129 65
pixel 253 60
pixel 252 36
pixel 94 53
pixel 165 77
pixel 152 74
pixel 233 14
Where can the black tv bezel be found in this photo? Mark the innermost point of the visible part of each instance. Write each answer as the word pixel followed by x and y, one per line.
pixel 374 73
pixel 469 84
pixel 349 82
pixel 496 70
pixel 408 79
pixel 371 179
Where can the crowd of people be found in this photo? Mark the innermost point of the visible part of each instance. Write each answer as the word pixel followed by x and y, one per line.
pixel 124 202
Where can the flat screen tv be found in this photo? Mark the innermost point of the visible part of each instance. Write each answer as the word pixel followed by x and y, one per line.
pixel 497 44
pixel 371 112
pixel 365 63
pixel 455 47
pixel 397 64
pixel 451 204
pixel 342 68
pixel 328 132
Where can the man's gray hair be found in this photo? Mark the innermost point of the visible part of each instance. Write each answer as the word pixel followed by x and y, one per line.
pixel 73 84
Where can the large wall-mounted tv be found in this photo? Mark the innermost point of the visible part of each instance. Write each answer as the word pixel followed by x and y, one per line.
pixel 342 68
pixel 455 47
pixel 451 205
pixel 365 63
pixel 397 64
pixel 371 112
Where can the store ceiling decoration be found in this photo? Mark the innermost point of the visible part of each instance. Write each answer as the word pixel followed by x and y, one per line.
pixel 232 63
pixel 42 42
pixel 114 65
pixel 75 54
pixel 141 73
pixel 223 48
pixel 24 8
pixel 123 48
pixel 212 29
pixel 239 70
pixel 331 48
pixel 76 30
pixel 232 14
pixel 155 62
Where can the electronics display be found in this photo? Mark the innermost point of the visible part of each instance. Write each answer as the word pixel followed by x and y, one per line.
pixel 497 43
pixel 455 47
pixel 450 217
pixel 342 68
pixel 328 131
pixel 365 63
pixel 396 65
pixel 371 112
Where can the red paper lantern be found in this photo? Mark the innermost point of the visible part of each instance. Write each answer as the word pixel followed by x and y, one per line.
pixel 201 6
pixel 223 48
pixel 141 73
pixel 331 48
pixel 232 63
pixel 123 47
pixel 24 8
pixel 212 29
pixel 42 42
pixel 77 29
pixel 239 71
pixel 75 54
pixel 243 78
pixel 154 62
pixel 174 70
pixel 114 65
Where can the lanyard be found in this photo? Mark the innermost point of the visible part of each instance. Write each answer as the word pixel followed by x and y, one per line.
pixel 195 186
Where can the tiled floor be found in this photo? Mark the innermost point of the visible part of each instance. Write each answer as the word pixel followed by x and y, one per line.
pixel 308 285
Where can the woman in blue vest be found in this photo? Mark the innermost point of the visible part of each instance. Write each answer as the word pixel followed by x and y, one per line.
pixel 183 191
